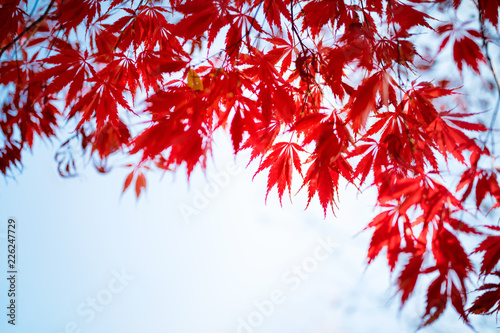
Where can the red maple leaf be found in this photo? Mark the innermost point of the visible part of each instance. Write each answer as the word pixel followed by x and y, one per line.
pixel 281 161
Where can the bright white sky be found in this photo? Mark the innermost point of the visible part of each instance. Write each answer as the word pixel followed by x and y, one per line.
pixel 239 266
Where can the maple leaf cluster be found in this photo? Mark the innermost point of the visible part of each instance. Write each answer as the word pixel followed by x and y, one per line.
pixel 323 91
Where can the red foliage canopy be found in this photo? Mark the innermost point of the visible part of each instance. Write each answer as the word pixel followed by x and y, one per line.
pixel 362 91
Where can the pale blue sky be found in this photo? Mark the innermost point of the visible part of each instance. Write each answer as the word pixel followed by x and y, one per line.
pixel 91 260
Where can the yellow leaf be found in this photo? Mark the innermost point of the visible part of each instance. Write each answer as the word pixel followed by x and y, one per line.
pixel 194 81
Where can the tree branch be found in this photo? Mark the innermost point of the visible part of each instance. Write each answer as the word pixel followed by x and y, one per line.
pixel 31 26
pixel 495 77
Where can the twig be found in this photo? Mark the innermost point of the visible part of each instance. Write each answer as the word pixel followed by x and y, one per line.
pixel 495 77
pixel 31 26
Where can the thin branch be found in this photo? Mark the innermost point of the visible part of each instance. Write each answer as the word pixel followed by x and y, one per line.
pixel 123 30
pixel 231 48
pixel 31 26
pixel 34 8
pixel 306 50
pixel 495 77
